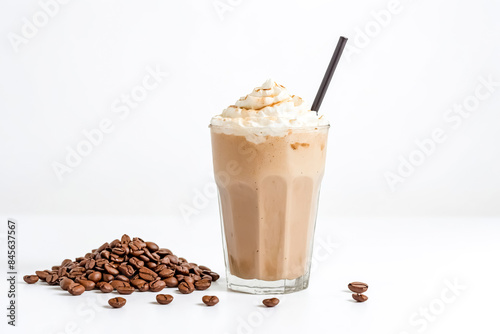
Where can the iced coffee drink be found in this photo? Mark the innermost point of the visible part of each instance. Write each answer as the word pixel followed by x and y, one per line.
pixel 269 156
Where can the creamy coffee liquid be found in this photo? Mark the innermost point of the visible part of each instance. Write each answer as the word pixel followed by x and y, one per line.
pixel 268 173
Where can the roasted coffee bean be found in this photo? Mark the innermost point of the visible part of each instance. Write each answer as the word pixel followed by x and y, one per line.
pixel 117 302
pixel 116 284
pixel 147 274
pixel 182 270
pixel 152 246
pixel 359 297
pixel 63 271
pixel 55 268
pixel 52 279
pixel 202 284
pixel 171 282
pixel 87 284
pixel 358 287
pixel 164 299
pixel 188 279
pixel 204 268
pixel 151 265
pixel 210 300
pixel 157 286
pixel 122 278
pixel 101 262
pixel 109 268
pixel 182 260
pixel 42 275
pixel 30 279
pixel 215 276
pixel 118 251
pixel 138 264
pixel 107 277
pixel 105 287
pixel 125 290
pixel 66 263
pixel 65 283
pixel 173 259
pixel 90 264
pixel 165 260
pixel 96 276
pixel 271 302
pixel 163 251
pixel 208 277
pixel 185 287
pixel 166 273
pixel 76 289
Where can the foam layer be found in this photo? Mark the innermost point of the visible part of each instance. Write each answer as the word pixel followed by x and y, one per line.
pixel 268 110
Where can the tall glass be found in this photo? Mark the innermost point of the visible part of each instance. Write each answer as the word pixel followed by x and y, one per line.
pixel 268 198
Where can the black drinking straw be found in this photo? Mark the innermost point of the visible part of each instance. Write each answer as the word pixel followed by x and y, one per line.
pixel 328 74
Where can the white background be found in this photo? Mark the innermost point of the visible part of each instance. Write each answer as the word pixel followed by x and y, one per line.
pixel 393 87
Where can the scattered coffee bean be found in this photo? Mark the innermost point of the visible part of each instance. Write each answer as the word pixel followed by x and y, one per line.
pixel 157 286
pixel 202 284
pixel 117 302
pixel 30 279
pixel 106 287
pixel 52 279
pixel 76 289
pixel 95 277
pixel 125 290
pixel 88 285
pixel 358 287
pixel 164 299
pixel 271 302
pixel 171 282
pixel 186 288
pixel 65 283
pixel 359 297
pixel 210 300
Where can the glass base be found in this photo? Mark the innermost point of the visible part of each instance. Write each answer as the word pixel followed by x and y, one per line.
pixel 260 287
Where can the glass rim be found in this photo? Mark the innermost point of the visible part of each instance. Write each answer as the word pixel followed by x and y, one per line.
pixel 311 127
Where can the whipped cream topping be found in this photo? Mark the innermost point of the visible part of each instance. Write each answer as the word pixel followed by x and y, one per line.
pixel 268 110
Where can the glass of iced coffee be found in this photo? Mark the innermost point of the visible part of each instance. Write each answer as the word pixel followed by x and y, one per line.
pixel 269 158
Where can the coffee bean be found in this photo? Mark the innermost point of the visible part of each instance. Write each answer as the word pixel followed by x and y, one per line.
pixel 90 264
pixel 171 282
pixel 186 288
pixel 65 283
pixel 358 287
pixel 204 268
pixel 152 246
pixel 164 299
pixel 106 287
pixel 96 276
pixel 111 270
pixel 189 279
pixel 122 278
pixel 173 259
pixel 138 264
pixel 359 297
pixel 214 276
pixel 87 284
pixel 271 302
pixel 117 284
pixel 30 279
pixel 125 290
pixel 117 302
pixel 42 275
pixel 163 251
pixel 52 279
pixel 157 286
pixel 107 277
pixel 76 289
pixel 202 284
pixel 210 300
pixel 147 274
pixel 62 271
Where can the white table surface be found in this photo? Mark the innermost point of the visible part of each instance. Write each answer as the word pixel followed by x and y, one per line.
pixel 409 265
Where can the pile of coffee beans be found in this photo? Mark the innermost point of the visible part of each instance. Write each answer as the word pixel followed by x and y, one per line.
pixel 358 288
pixel 127 265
